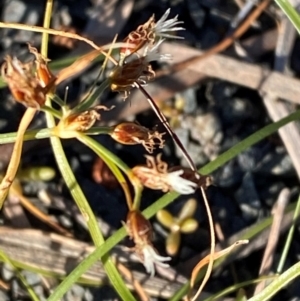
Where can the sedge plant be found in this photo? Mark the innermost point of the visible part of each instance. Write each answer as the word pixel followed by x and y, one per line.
pixel 33 84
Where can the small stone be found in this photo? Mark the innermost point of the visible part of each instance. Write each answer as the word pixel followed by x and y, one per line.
pixel 269 193
pixel 88 296
pixel 4 297
pixel 228 175
pixel 77 290
pixel 248 159
pixel 248 198
pixel 186 101
pixel 16 290
pixel 65 221
pixel 31 278
pixel 278 163
pixel 7 272
pixel 183 136
pixel 205 128
pixel 197 12
pixel 20 12
pixel 39 290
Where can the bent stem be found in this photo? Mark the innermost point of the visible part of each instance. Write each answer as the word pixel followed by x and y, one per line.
pixel 107 156
pixel 212 246
pixel 166 124
pixel 16 155
pixel 26 120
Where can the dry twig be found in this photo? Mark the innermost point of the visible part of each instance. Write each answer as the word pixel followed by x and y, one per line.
pixel 278 213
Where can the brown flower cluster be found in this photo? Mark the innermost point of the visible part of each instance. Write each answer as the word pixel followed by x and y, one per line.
pixel 29 82
pixel 74 122
pixel 131 133
pixel 141 49
pixel 155 175
pixel 139 230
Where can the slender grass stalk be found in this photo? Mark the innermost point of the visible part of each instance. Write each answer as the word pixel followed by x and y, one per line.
pixel 46 24
pixel 102 151
pixel 289 239
pixel 290 11
pixel 85 209
pixel 236 287
pixel 278 284
pixel 249 141
pixel 90 101
pixel 30 290
pixel 16 155
pixel 52 111
pixel 106 155
pixel 47 133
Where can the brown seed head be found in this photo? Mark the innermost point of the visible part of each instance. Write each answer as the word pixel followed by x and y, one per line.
pixel 157 176
pixel 130 133
pixel 140 231
pixel 139 228
pixel 154 174
pixel 193 176
pixel 122 78
pixel 43 73
pixel 28 85
pixel 138 38
pixel 77 122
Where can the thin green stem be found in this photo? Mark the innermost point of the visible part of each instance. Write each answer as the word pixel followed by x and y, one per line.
pixel 46 24
pixel 92 224
pixel 101 150
pixel 288 239
pixel 249 141
pixel 278 284
pixel 57 100
pixel 30 290
pixel 291 12
pixel 236 287
pixel 105 154
pixel 92 97
pixel 138 189
pixel 99 130
pixel 52 111
pixel 46 133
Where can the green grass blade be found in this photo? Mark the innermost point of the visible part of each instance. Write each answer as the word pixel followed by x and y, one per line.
pixel 96 235
pixel 89 102
pixel 47 133
pixel 289 239
pixel 278 284
pixel 31 292
pixel 291 13
pixel 236 287
pixel 249 141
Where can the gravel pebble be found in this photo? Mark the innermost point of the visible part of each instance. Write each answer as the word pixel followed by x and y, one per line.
pixel 7 272
pixel 19 12
pixel 248 198
pixel 4 296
